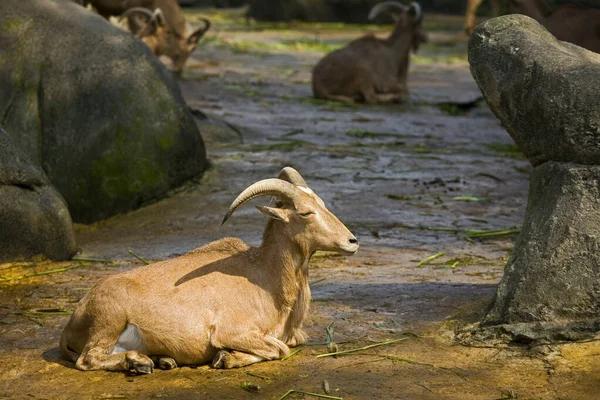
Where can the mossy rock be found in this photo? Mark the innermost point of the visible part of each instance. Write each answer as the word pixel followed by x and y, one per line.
pixel 94 108
pixel 34 219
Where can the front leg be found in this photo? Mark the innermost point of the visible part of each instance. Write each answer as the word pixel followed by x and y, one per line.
pixel 390 92
pixel 98 358
pixel 398 97
pixel 164 362
pixel 233 359
pixel 298 337
pixel 246 348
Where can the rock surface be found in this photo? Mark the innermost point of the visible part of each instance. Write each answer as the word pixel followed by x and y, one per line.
pixel 34 219
pixel 545 93
pixel 543 90
pixel 93 107
pixel 552 272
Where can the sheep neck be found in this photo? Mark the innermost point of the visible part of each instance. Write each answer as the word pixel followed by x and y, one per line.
pixel 400 40
pixel 287 263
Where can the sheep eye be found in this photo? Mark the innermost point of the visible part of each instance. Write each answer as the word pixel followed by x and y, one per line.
pixel 306 214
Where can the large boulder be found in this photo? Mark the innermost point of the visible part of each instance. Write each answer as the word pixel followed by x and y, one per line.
pixel 34 219
pixel 545 92
pixel 93 107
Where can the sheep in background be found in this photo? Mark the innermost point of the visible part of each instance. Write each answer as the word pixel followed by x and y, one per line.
pixel 371 69
pixel 160 24
pixel 177 42
pixel 226 302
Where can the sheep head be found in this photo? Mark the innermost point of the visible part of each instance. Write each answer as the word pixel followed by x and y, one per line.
pixel 154 30
pixel 407 19
pixel 146 25
pixel 180 47
pixel 300 214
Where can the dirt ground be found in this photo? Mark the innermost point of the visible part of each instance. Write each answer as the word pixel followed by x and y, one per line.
pixel 412 181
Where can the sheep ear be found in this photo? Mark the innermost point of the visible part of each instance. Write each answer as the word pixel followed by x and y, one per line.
pixel 275 213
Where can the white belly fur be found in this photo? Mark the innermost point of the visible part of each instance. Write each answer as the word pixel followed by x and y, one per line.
pixel 130 339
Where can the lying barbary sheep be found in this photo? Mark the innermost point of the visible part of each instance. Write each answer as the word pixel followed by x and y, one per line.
pixel 371 69
pixel 160 24
pixel 226 302
pixel 573 23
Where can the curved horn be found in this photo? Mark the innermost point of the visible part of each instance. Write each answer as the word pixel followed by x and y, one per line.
pixel 135 10
pixel 292 176
pixel 198 33
pixel 266 187
pixel 152 18
pixel 417 7
pixel 159 17
pixel 385 6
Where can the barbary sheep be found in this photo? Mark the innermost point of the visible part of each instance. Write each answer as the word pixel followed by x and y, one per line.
pixel 158 23
pixel 226 302
pixel 163 38
pixel 371 69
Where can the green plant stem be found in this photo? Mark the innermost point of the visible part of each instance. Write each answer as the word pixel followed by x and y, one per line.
pixel 146 262
pixel 324 396
pixel 361 349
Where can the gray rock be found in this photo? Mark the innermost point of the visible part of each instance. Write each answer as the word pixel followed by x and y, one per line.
pixel 552 274
pixel 529 332
pixel 93 107
pixel 544 91
pixel 34 219
pixel 216 130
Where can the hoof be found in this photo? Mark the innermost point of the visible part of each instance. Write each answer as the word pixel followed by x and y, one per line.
pixel 141 369
pixel 220 360
pixel 166 363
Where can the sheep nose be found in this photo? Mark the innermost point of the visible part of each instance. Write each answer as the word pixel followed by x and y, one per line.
pixel 353 240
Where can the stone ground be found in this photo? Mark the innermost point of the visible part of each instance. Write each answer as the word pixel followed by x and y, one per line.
pixel 411 181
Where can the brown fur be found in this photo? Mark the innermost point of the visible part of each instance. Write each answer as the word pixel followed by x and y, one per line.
pixel 370 69
pixel 227 301
pixel 174 39
pixel 572 23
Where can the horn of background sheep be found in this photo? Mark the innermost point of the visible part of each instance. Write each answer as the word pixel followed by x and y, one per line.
pixel 379 8
pixel 198 33
pixel 155 17
pixel 135 10
pixel 266 187
pixel 159 17
pixel 292 176
pixel 417 7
